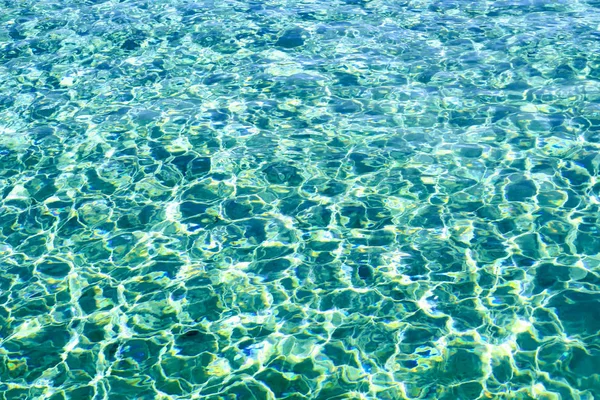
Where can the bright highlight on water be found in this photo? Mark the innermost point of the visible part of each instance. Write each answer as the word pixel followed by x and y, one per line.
pixel 279 199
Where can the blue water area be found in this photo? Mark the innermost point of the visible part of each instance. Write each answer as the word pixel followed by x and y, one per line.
pixel 299 199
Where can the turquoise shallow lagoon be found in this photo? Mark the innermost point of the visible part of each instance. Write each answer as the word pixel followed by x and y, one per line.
pixel 346 199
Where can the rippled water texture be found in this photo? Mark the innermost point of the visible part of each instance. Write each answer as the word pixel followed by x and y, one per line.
pixel 289 199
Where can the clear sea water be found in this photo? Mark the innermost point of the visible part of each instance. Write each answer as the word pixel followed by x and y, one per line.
pixel 346 199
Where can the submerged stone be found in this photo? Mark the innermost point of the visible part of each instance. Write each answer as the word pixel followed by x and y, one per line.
pixel 291 38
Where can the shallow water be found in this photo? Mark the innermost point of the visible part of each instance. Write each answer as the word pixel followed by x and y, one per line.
pixel 299 199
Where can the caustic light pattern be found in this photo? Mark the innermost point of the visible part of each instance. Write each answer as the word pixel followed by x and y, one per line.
pixel 280 199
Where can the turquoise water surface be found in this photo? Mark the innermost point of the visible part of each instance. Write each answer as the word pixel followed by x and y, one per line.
pixel 304 199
